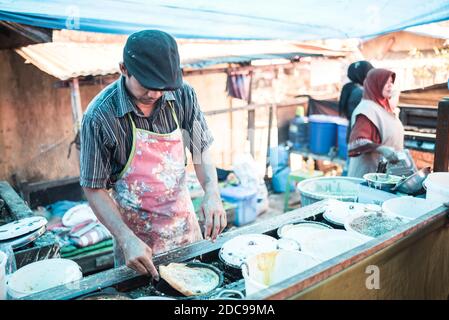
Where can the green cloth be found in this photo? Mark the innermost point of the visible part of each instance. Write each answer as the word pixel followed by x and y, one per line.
pixel 71 250
pixel 93 252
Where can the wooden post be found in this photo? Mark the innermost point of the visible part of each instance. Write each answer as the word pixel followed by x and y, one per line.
pixel 270 123
pixel 251 118
pixel 231 128
pixel 77 111
pixel 441 160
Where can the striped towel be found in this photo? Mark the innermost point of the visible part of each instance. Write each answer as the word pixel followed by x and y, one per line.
pixel 88 233
pixel 72 251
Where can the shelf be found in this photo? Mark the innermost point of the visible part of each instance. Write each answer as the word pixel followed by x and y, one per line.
pixel 307 154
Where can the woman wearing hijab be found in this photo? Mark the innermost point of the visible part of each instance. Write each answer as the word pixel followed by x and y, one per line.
pixel 352 92
pixel 376 129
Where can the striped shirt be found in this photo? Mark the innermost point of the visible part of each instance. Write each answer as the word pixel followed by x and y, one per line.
pixel 106 130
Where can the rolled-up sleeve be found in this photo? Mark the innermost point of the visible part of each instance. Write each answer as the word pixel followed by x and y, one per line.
pixel 95 156
pixel 199 136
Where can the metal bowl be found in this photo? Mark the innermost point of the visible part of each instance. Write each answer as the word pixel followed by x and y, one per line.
pixel 413 184
pixel 381 181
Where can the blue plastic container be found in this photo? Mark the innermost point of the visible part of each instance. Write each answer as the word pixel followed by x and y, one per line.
pixel 246 201
pixel 298 130
pixel 322 133
pixel 342 129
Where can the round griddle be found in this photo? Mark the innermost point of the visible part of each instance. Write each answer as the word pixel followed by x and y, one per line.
pixel 164 289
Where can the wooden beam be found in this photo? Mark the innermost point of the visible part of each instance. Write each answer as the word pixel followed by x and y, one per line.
pixel 13 202
pixel 15 35
pixel 77 111
pixel 239 69
pixel 254 107
pixel 441 160
pixel 251 118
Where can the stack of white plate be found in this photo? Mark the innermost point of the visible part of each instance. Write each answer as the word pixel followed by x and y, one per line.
pixel 337 212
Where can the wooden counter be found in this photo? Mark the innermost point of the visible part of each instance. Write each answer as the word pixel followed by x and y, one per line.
pixel 343 277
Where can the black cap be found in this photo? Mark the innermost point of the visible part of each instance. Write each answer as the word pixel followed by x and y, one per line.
pixel 152 57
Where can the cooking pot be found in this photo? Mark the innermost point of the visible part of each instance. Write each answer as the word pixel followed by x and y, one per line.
pixel 413 184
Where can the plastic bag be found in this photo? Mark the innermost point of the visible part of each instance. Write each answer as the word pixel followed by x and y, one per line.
pixel 6 267
pixel 10 266
pixel 251 177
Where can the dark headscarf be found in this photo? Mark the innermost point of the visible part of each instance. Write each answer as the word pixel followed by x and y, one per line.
pixel 357 72
pixel 374 85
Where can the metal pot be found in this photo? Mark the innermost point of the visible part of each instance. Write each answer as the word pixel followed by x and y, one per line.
pixel 413 184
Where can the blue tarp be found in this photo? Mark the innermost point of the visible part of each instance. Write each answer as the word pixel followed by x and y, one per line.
pixel 230 19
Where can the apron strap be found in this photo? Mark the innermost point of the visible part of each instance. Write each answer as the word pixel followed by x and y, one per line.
pixel 133 125
pixel 175 117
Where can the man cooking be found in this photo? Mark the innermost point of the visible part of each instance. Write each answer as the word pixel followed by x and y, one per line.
pixel 132 165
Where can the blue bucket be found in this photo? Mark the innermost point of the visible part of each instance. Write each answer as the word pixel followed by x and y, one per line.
pixel 323 133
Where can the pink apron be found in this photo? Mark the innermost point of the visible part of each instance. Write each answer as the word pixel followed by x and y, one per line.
pixel 152 193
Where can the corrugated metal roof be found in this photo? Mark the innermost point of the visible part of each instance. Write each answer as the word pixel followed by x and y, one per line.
pixel 65 60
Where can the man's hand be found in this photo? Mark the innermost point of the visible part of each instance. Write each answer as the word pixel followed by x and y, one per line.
pixel 214 214
pixel 388 153
pixel 139 256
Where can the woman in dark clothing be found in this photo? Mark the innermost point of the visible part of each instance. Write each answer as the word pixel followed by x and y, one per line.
pixel 352 92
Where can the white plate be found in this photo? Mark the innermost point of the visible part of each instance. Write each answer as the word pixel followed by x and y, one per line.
pixel 304 225
pixel 42 275
pixel 235 251
pixel 302 231
pixel 21 227
pixel 78 214
pixel 338 211
pixel 327 244
pixel 409 207
pixel 337 223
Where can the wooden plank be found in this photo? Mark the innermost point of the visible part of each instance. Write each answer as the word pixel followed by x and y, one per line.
pixel 13 202
pixel 293 286
pixel 254 107
pixel 14 35
pixel 251 119
pixel 319 157
pixel 441 161
pixel 77 111
pixel 37 253
pixel 124 274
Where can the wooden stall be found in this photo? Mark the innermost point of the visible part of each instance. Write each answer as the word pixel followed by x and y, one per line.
pixel 411 262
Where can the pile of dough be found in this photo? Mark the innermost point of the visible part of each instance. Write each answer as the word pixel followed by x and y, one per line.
pixel 190 281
